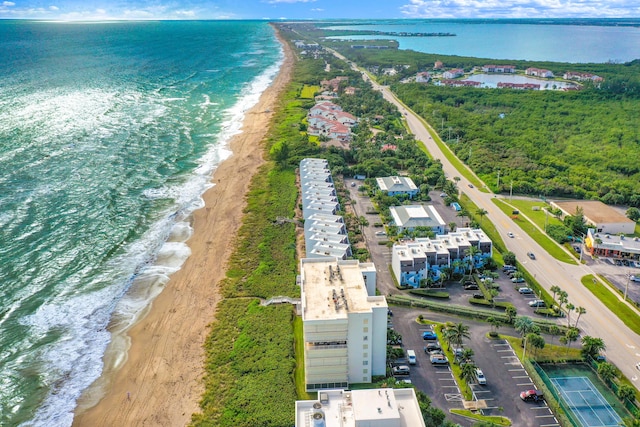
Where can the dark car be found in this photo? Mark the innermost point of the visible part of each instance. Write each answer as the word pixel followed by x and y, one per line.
pixel 508 267
pixel 432 346
pixel 471 287
pixel 532 396
pixel 478 296
pixel 429 336
pixel 531 255
pixel 470 185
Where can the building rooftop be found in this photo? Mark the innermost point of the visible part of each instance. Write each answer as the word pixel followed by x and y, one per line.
pixel 396 184
pixel 410 216
pixel 331 289
pixel 594 211
pixel 385 407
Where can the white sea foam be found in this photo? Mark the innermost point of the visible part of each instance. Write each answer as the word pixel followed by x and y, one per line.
pixel 75 362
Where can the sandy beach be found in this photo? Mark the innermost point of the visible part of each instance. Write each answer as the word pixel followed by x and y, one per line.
pixel 160 383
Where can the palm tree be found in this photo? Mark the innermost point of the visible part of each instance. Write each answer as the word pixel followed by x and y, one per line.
pixel 458 332
pixel 452 226
pixel 606 371
pixel 626 392
pixel 444 275
pixel 511 312
pixel 536 341
pixel 570 308
pixel 592 346
pixel 553 331
pixel 580 311
pixel 562 297
pixel 523 325
pixel 463 213
pixel 570 336
pixel 467 355
pixel 555 289
pixel 472 252
pixel 495 323
pixel 468 372
pixel 362 222
pixel 481 213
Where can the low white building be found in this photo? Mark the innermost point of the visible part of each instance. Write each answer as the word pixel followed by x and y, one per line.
pixel 344 323
pixel 396 185
pixel 603 218
pixel 324 231
pixel 408 217
pixel 414 260
pixel 383 407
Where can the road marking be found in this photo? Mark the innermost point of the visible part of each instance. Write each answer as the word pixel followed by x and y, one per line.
pixel 522 376
pixel 453 397
pixel 549 425
pixel 504 351
pixel 507 357
pixel 535 408
pixel 545 416
pixel 529 383
pixel 630 345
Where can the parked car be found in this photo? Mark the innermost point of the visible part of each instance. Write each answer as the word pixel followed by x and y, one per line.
pixel 480 377
pixel 531 255
pixel 532 396
pixel 510 234
pixel 537 303
pixel 381 233
pixel 517 280
pixel 432 346
pixel 525 291
pixel 471 287
pixel 401 370
pixel 429 336
pixel 353 184
pixel 508 267
pixel 438 359
pixel 443 194
pixel 478 296
pixel 470 185
pixel 635 278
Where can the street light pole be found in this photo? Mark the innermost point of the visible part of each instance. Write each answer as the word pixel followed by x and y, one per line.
pixel 524 352
pixel 498 184
pixel 626 288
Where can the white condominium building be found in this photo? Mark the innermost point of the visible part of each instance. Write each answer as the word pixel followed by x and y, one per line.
pixel 344 322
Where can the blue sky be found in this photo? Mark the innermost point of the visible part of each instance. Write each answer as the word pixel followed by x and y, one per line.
pixel 314 9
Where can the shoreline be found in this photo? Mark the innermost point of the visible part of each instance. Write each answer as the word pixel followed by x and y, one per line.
pixel 160 380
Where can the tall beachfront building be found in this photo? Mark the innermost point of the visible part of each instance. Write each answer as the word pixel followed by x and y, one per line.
pixel 344 322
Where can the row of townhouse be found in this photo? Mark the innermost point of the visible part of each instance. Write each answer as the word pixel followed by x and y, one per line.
pixel 576 75
pixel 421 258
pixel 499 68
pixel 324 230
pixel 538 72
pixel 333 84
pixel 327 119
pixel 522 86
pixel 453 73
pixel 459 83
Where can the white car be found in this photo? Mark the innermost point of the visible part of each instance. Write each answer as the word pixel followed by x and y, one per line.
pixel 480 377
pixel 537 303
pixel 380 233
pixel 510 234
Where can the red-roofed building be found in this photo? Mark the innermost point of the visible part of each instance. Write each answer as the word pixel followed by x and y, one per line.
pixel 523 86
pixel 453 73
pixel 459 83
pixel 538 72
pixel 576 75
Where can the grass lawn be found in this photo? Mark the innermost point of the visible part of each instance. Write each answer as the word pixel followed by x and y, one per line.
pixel 539 217
pixel 309 91
pixel 609 298
pixel 542 239
pixel 299 351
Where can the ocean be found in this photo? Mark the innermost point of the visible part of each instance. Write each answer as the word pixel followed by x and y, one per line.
pixel 555 40
pixel 109 135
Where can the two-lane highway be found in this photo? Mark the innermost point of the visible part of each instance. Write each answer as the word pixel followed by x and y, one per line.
pixel 623 345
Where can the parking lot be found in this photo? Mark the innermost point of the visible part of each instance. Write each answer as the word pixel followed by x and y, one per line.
pixel 506 377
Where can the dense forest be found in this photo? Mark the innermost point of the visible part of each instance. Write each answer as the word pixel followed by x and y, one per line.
pixel 581 144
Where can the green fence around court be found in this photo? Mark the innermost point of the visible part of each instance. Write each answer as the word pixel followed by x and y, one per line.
pixel 629 405
pixel 557 400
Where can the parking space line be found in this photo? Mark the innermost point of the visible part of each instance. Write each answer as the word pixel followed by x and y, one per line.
pixel 537 408
pixel 529 383
pixel 504 351
pixel 544 416
pixel 521 376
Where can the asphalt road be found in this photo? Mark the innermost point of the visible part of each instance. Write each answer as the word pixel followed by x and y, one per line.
pixel 622 343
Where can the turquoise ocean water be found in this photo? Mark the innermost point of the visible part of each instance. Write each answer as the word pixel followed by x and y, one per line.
pixel 109 133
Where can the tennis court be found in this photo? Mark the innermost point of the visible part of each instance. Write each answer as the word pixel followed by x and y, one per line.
pixel 586 402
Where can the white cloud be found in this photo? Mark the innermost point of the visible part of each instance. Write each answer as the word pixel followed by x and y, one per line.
pixel 517 9
pixel 53 8
pixel 317 9
pixel 8 3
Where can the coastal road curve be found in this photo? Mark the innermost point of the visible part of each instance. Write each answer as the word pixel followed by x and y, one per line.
pixel 623 345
